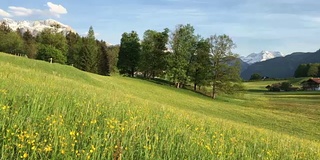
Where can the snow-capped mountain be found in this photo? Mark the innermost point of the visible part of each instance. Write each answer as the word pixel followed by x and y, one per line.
pixel 262 56
pixel 36 27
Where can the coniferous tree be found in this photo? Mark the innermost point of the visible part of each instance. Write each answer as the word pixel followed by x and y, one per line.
pixel 74 46
pixel 4 28
pixel 113 54
pixel 89 53
pixel 29 45
pixel 104 67
pixel 129 53
pixel 301 71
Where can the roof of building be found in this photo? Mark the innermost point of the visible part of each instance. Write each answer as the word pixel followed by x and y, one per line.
pixel 317 80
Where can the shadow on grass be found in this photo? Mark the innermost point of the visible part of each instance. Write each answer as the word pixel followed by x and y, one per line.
pixel 156 81
pixel 257 90
pixel 171 84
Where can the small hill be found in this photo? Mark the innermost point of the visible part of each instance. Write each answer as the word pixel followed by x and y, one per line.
pixel 53 111
pixel 281 67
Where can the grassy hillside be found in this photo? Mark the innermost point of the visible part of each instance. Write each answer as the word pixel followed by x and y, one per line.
pixel 58 112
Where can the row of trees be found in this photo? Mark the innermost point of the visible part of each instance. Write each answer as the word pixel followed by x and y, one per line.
pixel 86 53
pixel 182 57
pixel 308 70
pixel 179 56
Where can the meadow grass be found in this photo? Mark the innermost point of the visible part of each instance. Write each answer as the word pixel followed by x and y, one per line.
pixel 53 111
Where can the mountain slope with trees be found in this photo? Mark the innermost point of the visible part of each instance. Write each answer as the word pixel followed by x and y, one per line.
pixel 281 67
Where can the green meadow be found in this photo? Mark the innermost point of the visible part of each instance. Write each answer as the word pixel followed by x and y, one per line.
pixel 53 111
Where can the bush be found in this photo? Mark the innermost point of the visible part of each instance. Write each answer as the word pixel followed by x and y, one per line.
pixel 46 52
pixel 255 76
pixel 286 86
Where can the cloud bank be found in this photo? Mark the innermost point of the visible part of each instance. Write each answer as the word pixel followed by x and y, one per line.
pixel 4 13
pixel 55 10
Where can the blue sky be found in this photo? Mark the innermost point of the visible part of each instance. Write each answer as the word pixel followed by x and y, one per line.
pixel 254 25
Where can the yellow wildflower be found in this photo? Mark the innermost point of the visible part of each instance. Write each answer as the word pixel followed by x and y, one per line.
pixel 72 133
pixel 25 155
pixel 47 149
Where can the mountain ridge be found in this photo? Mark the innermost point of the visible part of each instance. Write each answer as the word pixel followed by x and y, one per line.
pixel 281 67
pixel 261 56
pixel 36 27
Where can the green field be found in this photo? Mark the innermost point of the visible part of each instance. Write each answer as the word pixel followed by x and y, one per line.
pixel 53 111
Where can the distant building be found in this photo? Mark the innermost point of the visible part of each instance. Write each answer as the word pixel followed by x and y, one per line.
pixel 313 84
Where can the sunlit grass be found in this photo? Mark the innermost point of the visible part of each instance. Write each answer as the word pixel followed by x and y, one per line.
pixel 51 111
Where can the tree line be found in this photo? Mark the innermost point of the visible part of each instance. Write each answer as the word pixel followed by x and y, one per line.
pixel 183 58
pixel 308 70
pixel 179 56
pixel 86 53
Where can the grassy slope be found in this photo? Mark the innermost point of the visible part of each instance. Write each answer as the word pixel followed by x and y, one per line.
pixel 254 125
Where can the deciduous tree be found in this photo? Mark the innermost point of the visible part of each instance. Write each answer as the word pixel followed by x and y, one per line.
pixel 183 45
pixel 153 53
pixel 225 77
pixel 200 66
pixel 129 53
pixel 255 76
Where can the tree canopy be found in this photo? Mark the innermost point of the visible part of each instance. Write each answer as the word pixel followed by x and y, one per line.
pixel 129 53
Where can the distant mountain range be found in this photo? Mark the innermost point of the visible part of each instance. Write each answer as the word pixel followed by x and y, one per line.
pixel 262 56
pixel 36 27
pixel 281 67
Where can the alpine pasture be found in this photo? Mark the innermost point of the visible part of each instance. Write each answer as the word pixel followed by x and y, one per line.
pixel 53 111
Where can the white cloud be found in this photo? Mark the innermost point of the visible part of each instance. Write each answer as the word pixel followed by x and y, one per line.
pixel 4 13
pixel 56 9
pixel 20 11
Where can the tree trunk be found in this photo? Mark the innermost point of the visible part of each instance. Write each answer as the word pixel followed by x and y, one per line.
pixel 153 74
pixel 195 87
pixel 213 91
pixel 132 72
pixel 178 84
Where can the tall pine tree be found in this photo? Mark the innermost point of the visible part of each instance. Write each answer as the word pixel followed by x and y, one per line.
pixel 74 42
pixel 29 46
pixel 89 53
pixel 103 67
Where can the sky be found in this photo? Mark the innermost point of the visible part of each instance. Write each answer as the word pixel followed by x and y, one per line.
pixel 254 25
